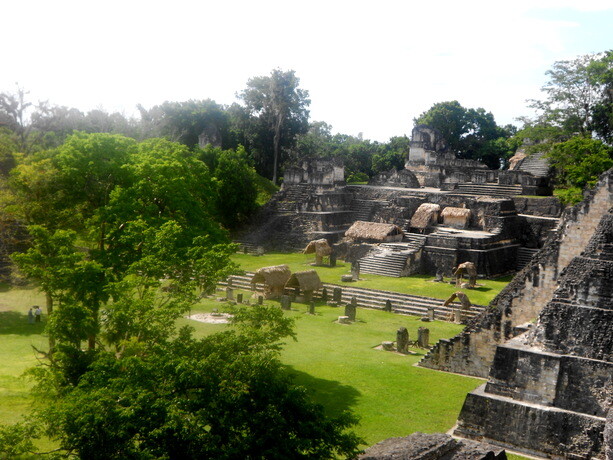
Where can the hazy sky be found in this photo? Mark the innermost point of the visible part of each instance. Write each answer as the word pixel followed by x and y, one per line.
pixel 370 66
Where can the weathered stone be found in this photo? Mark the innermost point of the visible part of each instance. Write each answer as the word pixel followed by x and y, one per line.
pixel 420 446
pixel 344 319
pixel 229 293
pixel 324 294
pixel 312 308
pixel 332 260
pixel 347 278
pixel 388 305
pixel 239 297
pixel 402 340
pixel 355 271
pixel 286 302
pixel 337 295
pixel 423 337
pixel 260 300
pixel 387 346
pixel 431 313
pixel 350 309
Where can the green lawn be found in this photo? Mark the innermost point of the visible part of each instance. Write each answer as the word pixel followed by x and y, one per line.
pixel 416 285
pixel 338 364
pixel 342 369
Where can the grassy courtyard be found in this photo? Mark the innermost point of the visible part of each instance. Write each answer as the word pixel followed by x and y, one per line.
pixel 416 285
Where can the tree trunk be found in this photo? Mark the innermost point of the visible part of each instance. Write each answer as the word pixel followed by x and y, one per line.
pixel 49 301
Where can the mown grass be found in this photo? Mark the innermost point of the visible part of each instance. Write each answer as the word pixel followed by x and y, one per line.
pixel 338 364
pixel 416 285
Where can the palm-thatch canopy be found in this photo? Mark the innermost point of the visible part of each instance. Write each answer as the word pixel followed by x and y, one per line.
pixel 307 281
pixel 376 231
pixel 456 217
pixel 320 247
pixel 426 215
pixel 274 276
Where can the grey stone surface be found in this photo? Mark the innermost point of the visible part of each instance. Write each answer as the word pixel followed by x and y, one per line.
pixel 420 446
pixel 286 303
pixel 350 309
pixel 402 340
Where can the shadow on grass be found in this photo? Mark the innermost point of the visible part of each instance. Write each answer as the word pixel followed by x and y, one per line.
pixel 334 396
pixel 12 322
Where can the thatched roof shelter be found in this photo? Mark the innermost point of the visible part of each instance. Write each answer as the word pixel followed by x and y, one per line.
pixel 276 275
pixel 307 281
pixel 426 215
pixel 374 231
pixel 456 217
pixel 320 247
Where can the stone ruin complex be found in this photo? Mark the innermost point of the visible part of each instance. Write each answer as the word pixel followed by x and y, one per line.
pixel 549 385
pixel 450 210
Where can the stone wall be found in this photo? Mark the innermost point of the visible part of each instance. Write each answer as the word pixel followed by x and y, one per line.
pixel 472 351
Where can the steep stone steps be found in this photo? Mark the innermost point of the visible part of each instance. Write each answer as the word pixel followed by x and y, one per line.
pixel 404 304
pixel 489 189
pixel 536 164
pixel 363 209
pixel 390 258
pixel 524 255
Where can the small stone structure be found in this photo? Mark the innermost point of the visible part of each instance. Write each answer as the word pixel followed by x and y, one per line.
pixel 402 340
pixel 286 302
pixel 456 217
pixel 458 315
pixel 350 309
pixel 273 278
pixel 420 446
pixel 425 216
pixel 321 248
pixel 315 172
pixel 468 268
pixel 423 337
pixel 305 282
pixel 362 231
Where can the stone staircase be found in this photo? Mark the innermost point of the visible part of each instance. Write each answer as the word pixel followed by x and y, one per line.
pixel 403 304
pixel 536 164
pixel 491 189
pixel 524 255
pixel 363 209
pixel 293 198
pixel 390 259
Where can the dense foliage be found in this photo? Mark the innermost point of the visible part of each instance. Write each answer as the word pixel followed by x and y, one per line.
pixel 125 238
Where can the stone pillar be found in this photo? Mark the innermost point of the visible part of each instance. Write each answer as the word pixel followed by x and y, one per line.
pixel 286 303
pixel 388 305
pixel 337 295
pixel 423 337
pixel 312 308
pixel 229 293
pixel 260 300
pixel 457 315
pixel 239 297
pixel 431 313
pixel 355 271
pixel 324 294
pixel 350 309
pixel 332 260
pixel 308 296
pixel 402 340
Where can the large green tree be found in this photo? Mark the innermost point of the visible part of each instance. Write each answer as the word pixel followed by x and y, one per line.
pixel 281 109
pixel 469 133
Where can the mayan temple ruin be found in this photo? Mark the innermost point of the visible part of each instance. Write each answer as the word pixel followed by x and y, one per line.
pixel 545 343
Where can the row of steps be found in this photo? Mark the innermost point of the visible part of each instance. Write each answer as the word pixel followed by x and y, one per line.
pixel 489 189
pixel 404 304
pixel 524 256
pixel 363 209
pixel 390 259
pixel 293 198
pixel 536 164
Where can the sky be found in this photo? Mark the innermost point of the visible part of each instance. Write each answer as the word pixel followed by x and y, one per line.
pixel 370 67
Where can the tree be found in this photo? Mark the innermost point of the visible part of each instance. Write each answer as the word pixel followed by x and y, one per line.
pixel 573 91
pixel 601 72
pixel 280 106
pixel 469 133
pixel 236 190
